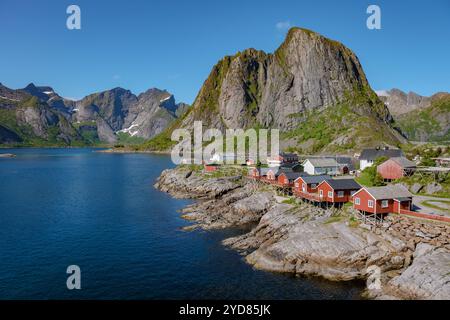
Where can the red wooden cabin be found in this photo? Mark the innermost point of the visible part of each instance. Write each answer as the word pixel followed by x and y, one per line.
pixel 337 190
pixel 211 167
pixel 395 168
pixel 382 200
pixel 309 183
pixel 288 178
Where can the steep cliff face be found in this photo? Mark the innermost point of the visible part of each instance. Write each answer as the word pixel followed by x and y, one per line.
pixel 122 112
pixel 420 118
pixel 307 76
pixel 153 111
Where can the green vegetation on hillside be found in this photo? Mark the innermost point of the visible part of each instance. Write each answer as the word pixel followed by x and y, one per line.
pixel 356 122
pixel 370 177
pixel 427 124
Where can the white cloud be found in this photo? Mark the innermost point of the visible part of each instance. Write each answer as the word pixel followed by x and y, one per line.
pixel 283 25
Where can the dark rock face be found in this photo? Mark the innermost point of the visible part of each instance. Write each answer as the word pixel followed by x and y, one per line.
pixel 306 75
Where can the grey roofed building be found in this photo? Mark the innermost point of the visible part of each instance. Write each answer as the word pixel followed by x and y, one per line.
pixel 315 179
pixel 343 184
pixel 396 191
pixel 346 161
pixel 291 166
pixel 323 162
pixel 294 175
pixel 373 154
pixel 263 171
pixel 403 162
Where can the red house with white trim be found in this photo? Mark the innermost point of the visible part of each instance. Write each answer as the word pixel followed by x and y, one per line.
pixel 288 178
pixel 309 183
pixel 382 200
pixel 337 190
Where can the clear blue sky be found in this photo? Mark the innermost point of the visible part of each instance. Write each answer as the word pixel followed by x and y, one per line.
pixel 173 44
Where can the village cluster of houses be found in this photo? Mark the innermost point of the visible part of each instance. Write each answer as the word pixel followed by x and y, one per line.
pixel 328 181
pixel 320 182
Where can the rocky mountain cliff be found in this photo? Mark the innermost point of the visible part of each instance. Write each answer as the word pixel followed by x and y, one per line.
pixel 308 80
pixel 420 118
pixel 103 117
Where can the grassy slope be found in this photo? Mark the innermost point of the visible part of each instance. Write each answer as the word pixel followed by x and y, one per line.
pixel 355 121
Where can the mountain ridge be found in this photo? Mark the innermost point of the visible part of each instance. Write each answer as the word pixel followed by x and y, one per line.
pixel 307 75
pixel 100 117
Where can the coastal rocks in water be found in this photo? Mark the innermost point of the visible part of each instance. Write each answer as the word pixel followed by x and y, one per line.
pixel 239 207
pixel 284 242
pixel 428 277
pixel 186 184
pixel 304 239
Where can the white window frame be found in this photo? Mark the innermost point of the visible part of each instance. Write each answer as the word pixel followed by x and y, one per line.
pixel 385 203
pixel 330 194
pixel 304 187
pixel 370 203
pixel 340 194
pixel 357 201
pixel 321 193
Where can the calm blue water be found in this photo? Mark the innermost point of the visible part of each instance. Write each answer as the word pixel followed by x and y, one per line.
pixel 60 207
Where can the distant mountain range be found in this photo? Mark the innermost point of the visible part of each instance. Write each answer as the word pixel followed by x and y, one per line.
pixel 37 115
pixel 419 118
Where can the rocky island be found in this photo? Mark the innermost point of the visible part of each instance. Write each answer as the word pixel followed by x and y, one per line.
pixel 290 236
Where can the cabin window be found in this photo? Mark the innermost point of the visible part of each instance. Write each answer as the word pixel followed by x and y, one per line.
pixel 304 187
pixel 370 203
pixel 313 185
pixel 384 203
pixel 321 193
pixel 357 201
pixel 340 194
pixel 330 194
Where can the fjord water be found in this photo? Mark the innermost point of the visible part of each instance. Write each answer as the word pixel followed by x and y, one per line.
pixel 61 207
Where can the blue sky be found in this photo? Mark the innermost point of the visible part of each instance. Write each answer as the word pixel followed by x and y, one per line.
pixel 173 44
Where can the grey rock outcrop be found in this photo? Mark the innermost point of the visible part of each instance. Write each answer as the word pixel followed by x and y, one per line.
pixel 428 277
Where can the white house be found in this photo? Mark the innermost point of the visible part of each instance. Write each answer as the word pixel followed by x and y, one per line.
pixel 320 166
pixel 222 158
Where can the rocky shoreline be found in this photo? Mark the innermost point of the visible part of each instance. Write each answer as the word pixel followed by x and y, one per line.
pixel 413 256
